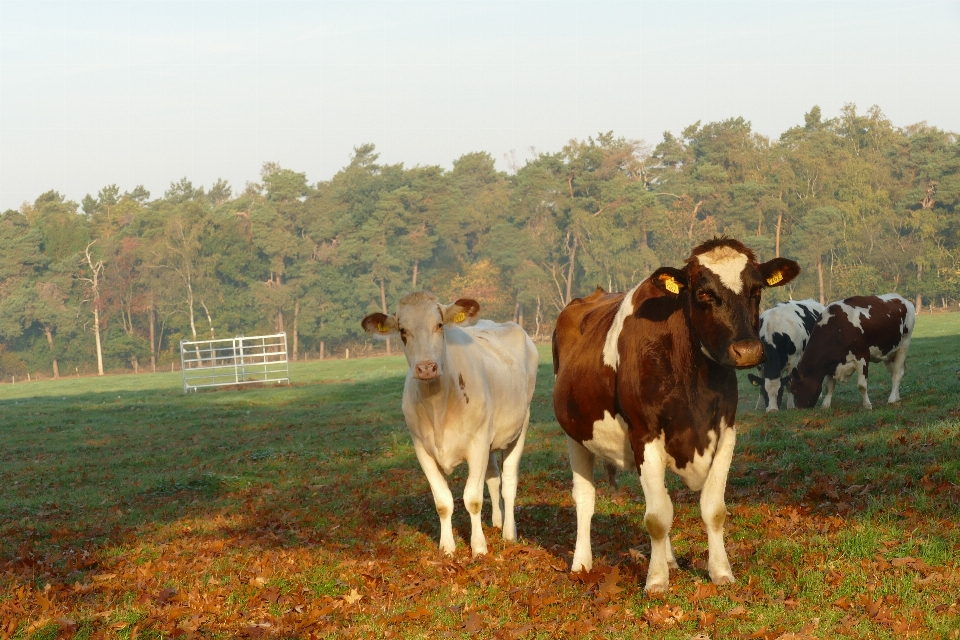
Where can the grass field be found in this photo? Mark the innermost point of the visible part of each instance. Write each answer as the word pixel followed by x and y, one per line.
pixel 130 510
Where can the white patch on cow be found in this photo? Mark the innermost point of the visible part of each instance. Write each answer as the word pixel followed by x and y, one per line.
pixel 611 350
pixel 854 314
pixel 846 369
pixel 610 440
pixel 694 474
pixel 728 264
pixel 772 387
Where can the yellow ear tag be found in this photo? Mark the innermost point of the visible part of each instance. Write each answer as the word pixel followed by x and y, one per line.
pixel 671 285
pixel 775 278
pixel 382 328
pixel 460 317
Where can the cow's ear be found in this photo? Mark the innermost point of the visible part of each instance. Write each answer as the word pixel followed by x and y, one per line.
pixel 669 280
pixel 463 312
pixel 381 325
pixel 778 272
pixel 754 380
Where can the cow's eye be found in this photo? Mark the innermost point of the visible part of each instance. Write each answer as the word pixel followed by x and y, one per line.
pixel 439 326
pixel 704 296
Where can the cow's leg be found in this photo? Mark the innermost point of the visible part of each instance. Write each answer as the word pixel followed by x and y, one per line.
pixel 442 497
pixel 511 475
pixel 658 517
pixel 585 497
pixel 714 511
pixel 493 488
pixel 473 496
pixel 831 383
pixel 863 367
pixel 897 367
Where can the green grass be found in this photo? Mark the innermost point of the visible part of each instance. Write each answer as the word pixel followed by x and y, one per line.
pixel 314 490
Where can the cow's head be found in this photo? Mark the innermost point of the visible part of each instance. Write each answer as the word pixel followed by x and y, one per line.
pixel 805 389
pixel 721 286
pixel 419 322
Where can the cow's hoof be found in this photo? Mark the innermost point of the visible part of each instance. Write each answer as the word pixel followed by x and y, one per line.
pixel 722 579
pixel 581 564
pixel 479 549
pixel 657 587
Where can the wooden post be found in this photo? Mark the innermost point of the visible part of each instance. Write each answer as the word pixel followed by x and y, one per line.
pixel 322 354
pixel 347 356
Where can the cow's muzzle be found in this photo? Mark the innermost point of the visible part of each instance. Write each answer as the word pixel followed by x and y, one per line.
pixel 746 353
pixel 426 370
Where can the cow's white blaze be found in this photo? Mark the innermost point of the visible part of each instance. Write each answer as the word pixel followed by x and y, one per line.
pixel 727 263
pixel 610 441
pixel 611 351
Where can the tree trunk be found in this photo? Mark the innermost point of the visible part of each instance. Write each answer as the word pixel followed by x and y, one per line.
pixel 153 347
pixel 322 350
pixel 193 325
pixel 383 304
pixel 279 320
pixel 779 222
pixel 296 318
pixel 520 316
pixel 570 269
pixel 209 319
pixel 820 276
pixel 416 266
pixel 96 331
pixel 919 302
pixel 56 367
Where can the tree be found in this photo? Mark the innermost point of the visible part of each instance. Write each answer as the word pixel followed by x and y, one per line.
pixel 93 283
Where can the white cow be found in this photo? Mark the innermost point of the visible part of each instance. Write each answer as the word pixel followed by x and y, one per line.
pixel 467 395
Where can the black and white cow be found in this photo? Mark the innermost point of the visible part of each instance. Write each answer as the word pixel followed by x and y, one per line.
pixel 851 334
pixel 784 332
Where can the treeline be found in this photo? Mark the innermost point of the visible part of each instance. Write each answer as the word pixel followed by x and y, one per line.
pixel 118 280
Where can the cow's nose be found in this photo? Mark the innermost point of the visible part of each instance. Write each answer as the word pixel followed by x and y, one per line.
pixel 747 353
pixel 426 370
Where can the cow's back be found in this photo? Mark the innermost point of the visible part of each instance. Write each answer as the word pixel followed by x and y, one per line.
pixel 498 364
pixel 582 392
pixel 868 327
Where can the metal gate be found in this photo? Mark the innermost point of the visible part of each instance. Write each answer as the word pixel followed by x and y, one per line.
pixel 241 360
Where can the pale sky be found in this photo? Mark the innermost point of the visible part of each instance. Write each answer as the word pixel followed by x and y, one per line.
pixel 147 92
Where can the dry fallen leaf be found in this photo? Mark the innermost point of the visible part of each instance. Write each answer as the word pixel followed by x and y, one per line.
pixel 703 591
pixel 353 597
pixel 474 623
pixel 737 612
pixel 609 586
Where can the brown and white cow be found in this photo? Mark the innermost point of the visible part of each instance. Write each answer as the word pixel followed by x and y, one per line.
pixel 648 378
pixel 851 334
pixel 467 395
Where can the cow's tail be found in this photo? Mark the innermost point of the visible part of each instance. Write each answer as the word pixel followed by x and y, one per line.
pixel 556 353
